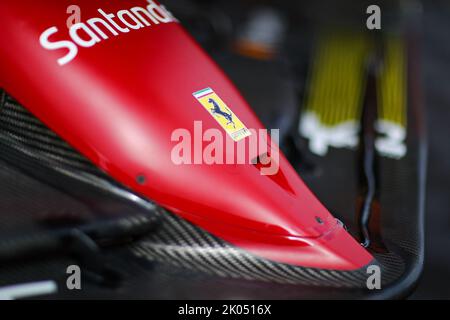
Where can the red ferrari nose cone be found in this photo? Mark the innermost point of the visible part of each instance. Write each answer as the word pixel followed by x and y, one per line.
pixel 129 89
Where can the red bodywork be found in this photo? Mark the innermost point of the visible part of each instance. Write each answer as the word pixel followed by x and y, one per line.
pixel 119 102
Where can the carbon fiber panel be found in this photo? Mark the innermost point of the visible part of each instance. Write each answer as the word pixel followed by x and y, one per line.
pixel 176 242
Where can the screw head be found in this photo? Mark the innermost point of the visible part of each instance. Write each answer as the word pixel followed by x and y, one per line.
pixel 140 179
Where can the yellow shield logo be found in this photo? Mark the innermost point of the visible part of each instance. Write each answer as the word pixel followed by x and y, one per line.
pixel 223 115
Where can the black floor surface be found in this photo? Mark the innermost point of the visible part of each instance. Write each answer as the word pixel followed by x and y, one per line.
pixel 435 282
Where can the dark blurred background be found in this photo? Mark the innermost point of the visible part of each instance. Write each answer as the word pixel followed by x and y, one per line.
pixel 313 70
pixel 288 40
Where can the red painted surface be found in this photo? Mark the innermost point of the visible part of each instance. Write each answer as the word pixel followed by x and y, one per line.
pixel 118 103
